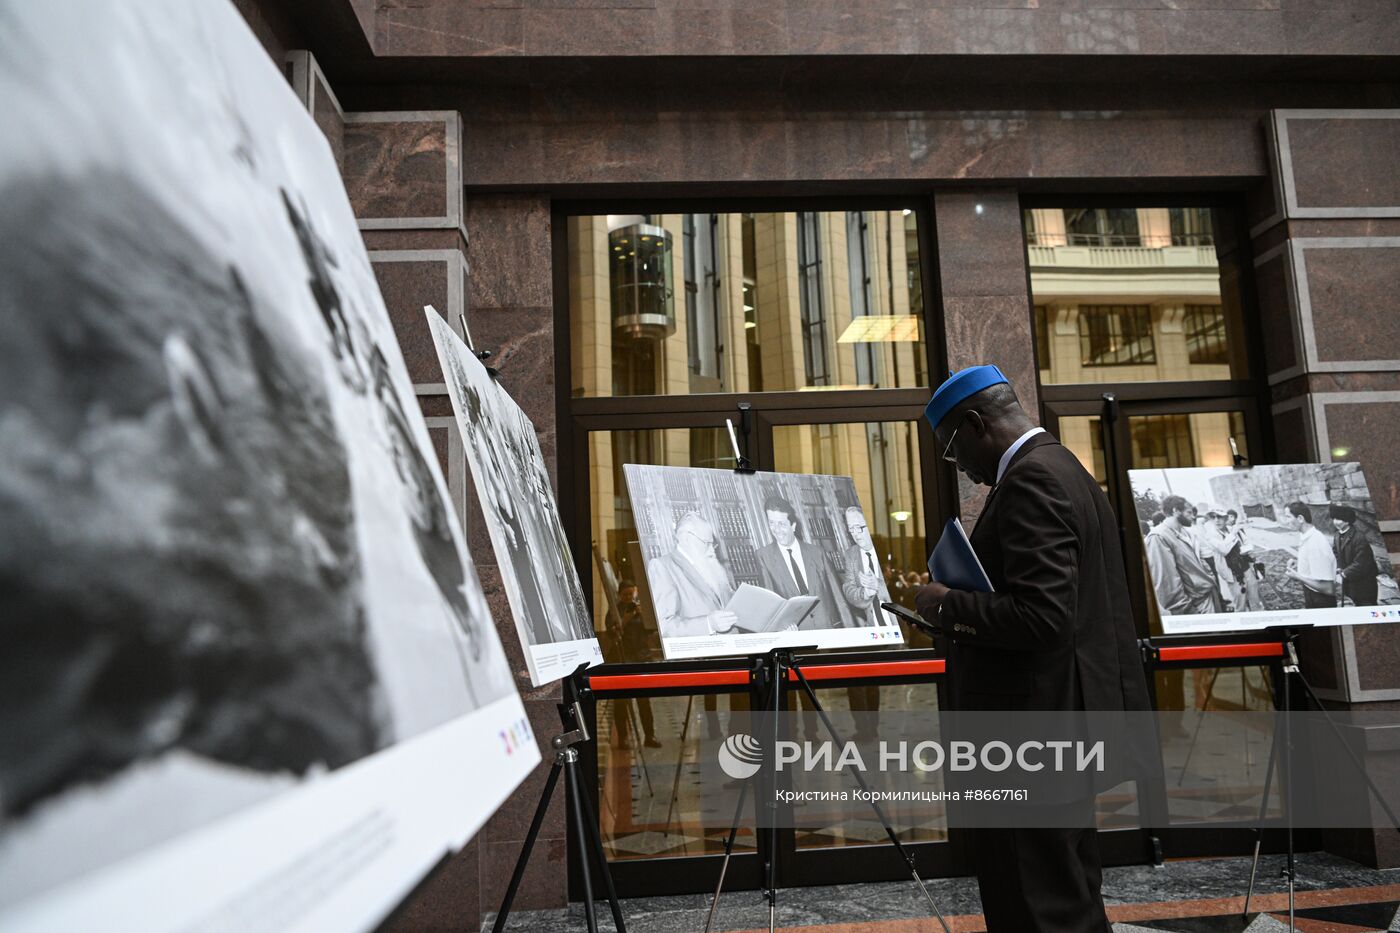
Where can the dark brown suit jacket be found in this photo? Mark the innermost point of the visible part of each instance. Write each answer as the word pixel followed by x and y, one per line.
pixel 1058 632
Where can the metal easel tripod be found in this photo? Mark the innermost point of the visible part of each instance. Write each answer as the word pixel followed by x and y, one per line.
pixel 1281 751
pixel 575 733
pixel 772 671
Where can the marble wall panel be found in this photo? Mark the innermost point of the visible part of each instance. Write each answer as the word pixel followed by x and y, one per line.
pixel 1291 436
pixel 403 170
pixel 776 146
pixel 408 280
pixel 1277 319
pixel 329 117
pixel 789 27
pixel 1342 162
pixel 312 88
pixel 510 252
pixel 1335 382
pixel 1377 654
pixel 1354 299
pixel 447 901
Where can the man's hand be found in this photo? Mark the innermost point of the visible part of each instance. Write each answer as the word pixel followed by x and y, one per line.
pixel 868 582
pixel 927 600
pixel 721 620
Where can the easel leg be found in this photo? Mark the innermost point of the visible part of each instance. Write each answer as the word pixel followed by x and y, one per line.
pixel 1259 826
pixel 728 850
pixel 524 858
pixel 594 841
pixel 634 721
pixel 680 759
pixel 575 794
pixel 1201 718
pixel 879 813
pixel 778 672
pixel 1286 776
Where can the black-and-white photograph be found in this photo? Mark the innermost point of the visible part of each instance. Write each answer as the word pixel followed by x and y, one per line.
pixel 1235 548
pixel 517 500
pixel 743 562
pixel 228 565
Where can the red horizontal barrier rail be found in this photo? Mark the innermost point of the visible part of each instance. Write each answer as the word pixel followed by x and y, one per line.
pixel 876 669
pixel 1269 649
pixel 670 680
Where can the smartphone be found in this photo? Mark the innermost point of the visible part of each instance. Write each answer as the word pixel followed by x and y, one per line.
pixel 913 618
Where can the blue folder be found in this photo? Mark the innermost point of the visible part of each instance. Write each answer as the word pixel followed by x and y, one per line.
pixel 954 564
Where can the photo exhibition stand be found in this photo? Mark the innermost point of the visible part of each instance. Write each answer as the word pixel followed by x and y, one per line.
pixel 1158 653
pixel 771 672
pixel 566 755
pixel 573 733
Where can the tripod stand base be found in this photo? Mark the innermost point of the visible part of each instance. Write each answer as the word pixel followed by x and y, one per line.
pixel 584 820
pixel 776 665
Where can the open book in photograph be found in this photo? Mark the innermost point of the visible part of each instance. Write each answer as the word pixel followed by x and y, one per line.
pixel 761 610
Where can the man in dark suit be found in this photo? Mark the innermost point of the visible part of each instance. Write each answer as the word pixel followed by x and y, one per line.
pixel 792 567
pixel 861 581
pixel 1056 634
pixel 1356 562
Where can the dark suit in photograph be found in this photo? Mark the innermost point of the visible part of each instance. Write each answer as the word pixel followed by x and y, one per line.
pixel 1356 562
pixel 778 576
pixel 1057 634
pixel 866 609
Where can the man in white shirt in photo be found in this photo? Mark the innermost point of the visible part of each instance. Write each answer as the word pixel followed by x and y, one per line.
pixel 1316 566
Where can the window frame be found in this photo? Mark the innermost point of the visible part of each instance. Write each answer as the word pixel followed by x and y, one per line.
pixel 1090 314
pixel 577 416
pixel 1250 395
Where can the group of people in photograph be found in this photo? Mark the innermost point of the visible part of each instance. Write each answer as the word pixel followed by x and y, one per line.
pixel 1205 559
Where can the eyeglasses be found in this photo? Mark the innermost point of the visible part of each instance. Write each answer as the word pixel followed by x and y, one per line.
pixel 953 459
pixel 709 543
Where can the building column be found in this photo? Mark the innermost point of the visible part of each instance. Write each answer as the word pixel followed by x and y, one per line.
pixel 403 174
pixel 511 295
pixel 986 308
pixel 1326 239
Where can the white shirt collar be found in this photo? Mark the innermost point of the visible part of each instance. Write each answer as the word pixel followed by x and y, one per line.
pixel 1011 451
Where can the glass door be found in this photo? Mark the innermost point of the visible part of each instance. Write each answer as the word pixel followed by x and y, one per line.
pixel 884 449
pixel 649 807
pixel 1111 437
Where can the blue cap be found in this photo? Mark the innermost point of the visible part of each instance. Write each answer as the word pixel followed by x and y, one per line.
pixel 959 387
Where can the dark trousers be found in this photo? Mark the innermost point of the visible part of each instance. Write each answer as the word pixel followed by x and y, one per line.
pixel 622 723
pixel 1039 880
pixel 1315 600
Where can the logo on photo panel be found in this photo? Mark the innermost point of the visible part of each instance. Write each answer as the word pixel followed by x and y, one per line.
pixel 740 756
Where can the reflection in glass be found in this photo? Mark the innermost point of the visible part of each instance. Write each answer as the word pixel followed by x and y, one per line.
pixel 1214 766
pixel 629 635
pixel 651 803
pixel 853 711
pixel 1131 295
pixel 1198 439
pixel 768 302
